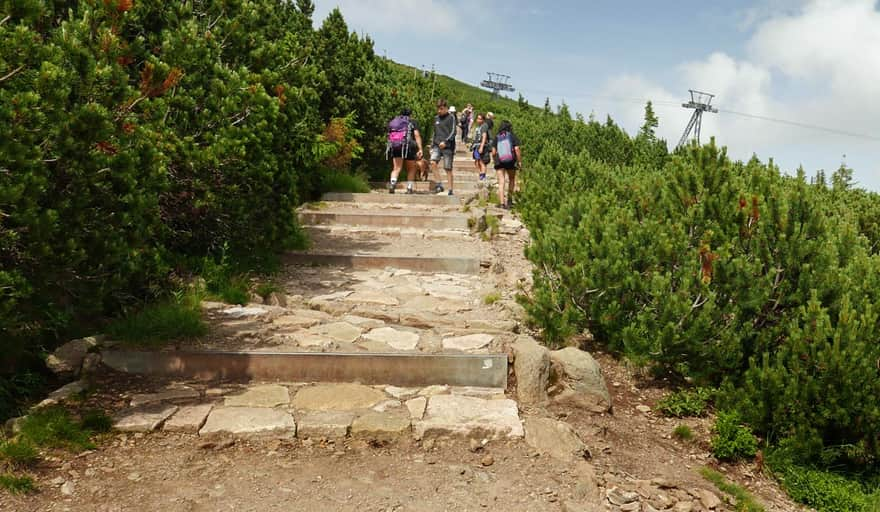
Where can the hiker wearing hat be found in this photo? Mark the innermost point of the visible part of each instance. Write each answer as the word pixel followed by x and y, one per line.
pixel 443 143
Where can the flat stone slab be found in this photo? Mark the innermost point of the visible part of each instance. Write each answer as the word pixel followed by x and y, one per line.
pixel 188 419
pixel 372 297
pixel 469 342
pixel 416 407
pixel 469 416
pixel 400 340
pixel 338 331
pixel 337 397
pixel 244 312
pixel 327 424
pixel 271 395
pixel 381 425
pixel 249 420
pixel 391 198
pixel 168 395
pixel 144 419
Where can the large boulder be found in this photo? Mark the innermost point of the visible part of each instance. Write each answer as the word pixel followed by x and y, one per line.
pixel 532 366
pixel 67 359
pixel 577 380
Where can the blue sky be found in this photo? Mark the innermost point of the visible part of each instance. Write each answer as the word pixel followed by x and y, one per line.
pixel 809 61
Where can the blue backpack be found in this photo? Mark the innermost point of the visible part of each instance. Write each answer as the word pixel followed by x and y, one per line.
pixel 504 147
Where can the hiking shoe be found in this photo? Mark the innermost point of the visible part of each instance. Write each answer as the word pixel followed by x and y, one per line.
pixel 438 188
pixel 410 190
pixel 391 189
pixel 450 192
pixel 482 176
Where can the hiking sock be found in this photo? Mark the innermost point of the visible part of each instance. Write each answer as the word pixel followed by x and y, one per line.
pixel 409 186
pixel 392 186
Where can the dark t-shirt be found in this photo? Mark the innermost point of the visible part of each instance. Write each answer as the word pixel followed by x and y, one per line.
pixel 444 130
pixel 514 143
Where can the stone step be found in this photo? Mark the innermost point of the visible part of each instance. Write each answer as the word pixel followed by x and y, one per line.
pixel 427 199
pixel 408 219
pixel 355 248
pixel 396 369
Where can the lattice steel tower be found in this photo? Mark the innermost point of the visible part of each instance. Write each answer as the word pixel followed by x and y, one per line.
pixel 700 102
pixel 497 83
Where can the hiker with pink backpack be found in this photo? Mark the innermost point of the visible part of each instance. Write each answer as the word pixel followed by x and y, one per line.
pixel 404 146
pixel 508 159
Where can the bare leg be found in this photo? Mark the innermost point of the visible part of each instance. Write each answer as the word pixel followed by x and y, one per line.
pixel 449 178
pixel 502 195
pixel 397 164
pixel 511 177
pixel 410 173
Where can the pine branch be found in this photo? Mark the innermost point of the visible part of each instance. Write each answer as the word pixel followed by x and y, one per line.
pixel 11 74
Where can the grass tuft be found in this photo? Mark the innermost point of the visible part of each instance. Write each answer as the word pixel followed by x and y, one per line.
pixel 491 298
pixel 266 289
pixel 17 484
pixel 745 502
pixel 54 427
pixel 179 317
pixel 18 453
pixel 683 433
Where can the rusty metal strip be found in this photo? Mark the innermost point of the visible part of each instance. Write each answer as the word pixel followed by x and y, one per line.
pixel 406 370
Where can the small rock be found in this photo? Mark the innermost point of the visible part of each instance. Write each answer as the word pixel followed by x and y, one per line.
pixel 68 488
pixel 556 438
pixel 58 480
pixel 255 299
pixel 135 477
pixel 91 362
pixel 488 460
pixel 683 506
pixel 67 359
pixel 434 390
pixel 475 445
pixel 631 507
pixel 428 444
pixel 709 499
pixel 417 407
pixel 467 343
pixel 644 409
pixel 276 299
pixel 620 497
pixel 532 367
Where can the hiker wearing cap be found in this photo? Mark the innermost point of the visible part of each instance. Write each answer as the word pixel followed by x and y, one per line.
pixel 508 158
pixel 404 146
pixel 443 143
pixel 481 149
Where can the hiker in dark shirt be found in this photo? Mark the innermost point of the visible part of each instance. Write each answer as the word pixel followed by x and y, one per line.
pixel 404 147
pixel 443 144
pixel 508 158
pixel 481 149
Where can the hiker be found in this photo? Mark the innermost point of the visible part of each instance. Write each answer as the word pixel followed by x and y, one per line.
pixel 404 146
pixel 490 121
pixel 481 149
pixel 443 144
pixel 465 123
pixel 508 158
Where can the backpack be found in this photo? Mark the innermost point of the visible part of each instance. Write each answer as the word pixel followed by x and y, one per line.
pixel 399 132
pixel 504 147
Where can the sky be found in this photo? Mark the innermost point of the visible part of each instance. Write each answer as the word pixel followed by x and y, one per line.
pixel 813 62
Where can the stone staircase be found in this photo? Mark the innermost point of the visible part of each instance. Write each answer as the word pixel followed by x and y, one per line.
pixel 382 330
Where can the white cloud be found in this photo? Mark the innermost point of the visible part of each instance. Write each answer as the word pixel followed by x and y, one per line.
pixel 382 16
pixel 819 65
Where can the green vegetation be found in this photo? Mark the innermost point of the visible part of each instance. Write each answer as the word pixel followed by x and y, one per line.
pixel 340 182
pixel 683 433
pixel 55 427
pixel 267 288
pixel 491 298
pixel 731 439
pixel 18 389
pixel 685 403
pixel 176 318
pixel 744 501
pixel 18 453
pixel 17 484
pixel 493 227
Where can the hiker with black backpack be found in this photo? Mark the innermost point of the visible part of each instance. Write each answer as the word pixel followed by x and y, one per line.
pixel 404 145
pixel 481 147
pixel 508 158
pixel 443 143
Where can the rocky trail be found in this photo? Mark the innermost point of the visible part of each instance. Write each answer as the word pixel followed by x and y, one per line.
pixel 394 372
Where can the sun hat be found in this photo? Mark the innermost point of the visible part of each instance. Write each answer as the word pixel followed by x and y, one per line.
pixel 452 109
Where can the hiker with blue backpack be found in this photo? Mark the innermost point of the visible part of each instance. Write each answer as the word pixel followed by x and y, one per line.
pixel 508 158
pixel 404 146
pixel 443 143
pixel 481 148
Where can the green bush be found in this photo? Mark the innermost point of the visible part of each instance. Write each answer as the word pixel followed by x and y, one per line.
pixel 341 182
pixel 731 440
pixel 96 421
pixel 685 403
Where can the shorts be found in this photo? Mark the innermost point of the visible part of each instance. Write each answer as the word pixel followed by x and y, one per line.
pixel 507 166
pixel 410 154
pixel 485 157
pixel 446 155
